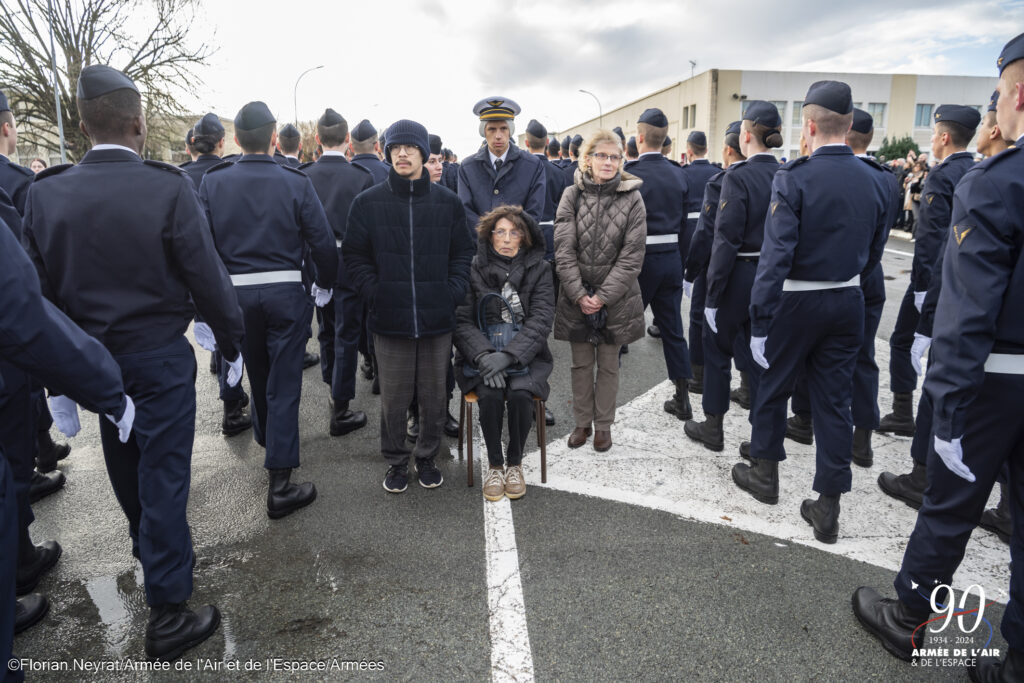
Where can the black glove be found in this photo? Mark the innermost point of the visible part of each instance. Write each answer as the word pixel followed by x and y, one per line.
pixel 494 363
pixel 495 381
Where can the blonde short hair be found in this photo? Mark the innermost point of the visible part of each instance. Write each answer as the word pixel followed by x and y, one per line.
pixel 599 138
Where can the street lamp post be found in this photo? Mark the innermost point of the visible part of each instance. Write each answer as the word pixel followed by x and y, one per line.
pixel 56 86
pixel 600 113
pixel 295 91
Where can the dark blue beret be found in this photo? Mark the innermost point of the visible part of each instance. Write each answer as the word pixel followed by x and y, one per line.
pixel 631 143
pixel 364 130
pixel 668 141
pixel 536 129
pixel 3 102
pixel 577 140
pixel 764 113
pixel 653 117
pixel 1013 51
pixel 968 117
pixel 697 138
pixel 289 131
pixel 253 115
pixel 994 101
pixel 734 128
pixel 618 131
pixel 188 137
pixel 209 125
pixel 833 95
pixel 330 118
pixel 434 143
pixel 99 79
pixel 862 121
pixel 566 141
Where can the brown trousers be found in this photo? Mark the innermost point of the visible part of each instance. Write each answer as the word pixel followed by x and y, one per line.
pixel 593 400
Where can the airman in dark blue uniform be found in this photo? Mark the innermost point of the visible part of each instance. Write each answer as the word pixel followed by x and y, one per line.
pixel 500 173
pixel 367 147
pixel 739 231
pixel 661 277
pixel 207 141
pixel 564 150
pixel 337 182
pixel 826 228
pixel 37 339
pixel 975 380
pixel 261 215
pixel 573 158
pixel 864 403
pixel 14 179
pixel 137 295
pixel 953 130
pixel 554 184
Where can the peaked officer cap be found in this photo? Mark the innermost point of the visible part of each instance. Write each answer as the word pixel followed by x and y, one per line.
pixel 98 79
pixel 496 108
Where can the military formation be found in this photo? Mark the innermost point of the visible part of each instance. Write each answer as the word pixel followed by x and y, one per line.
pixel 376 238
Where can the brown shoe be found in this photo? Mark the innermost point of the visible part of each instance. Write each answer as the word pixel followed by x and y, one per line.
pixel 579 437
pixel 602 440
pixel 494 484
pixel 515 484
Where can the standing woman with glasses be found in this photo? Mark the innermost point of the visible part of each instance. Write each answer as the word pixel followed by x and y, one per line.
pixel 600 236
pixel 509 262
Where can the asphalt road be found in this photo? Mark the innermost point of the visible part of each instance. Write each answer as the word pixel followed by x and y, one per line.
pixel 612 590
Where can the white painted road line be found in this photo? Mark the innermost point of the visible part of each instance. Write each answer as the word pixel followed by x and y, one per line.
pixel 899 252
pixel 511 656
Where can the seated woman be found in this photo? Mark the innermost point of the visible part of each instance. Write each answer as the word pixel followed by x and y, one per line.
pixel 509 261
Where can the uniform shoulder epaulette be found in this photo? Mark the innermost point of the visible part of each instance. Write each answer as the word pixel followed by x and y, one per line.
pixel 361 168
pixel 870 161
pixel 295 170
pixel 52 170
pixel 222 164
pixel 736 164
pixel 306 165
pixel 1001 156
pixel 794 163
pixel 22 170
pixel 164 166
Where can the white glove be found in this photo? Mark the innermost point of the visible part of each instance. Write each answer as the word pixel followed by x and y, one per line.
pixel 124 425
pixel 65 415
pixel 321 296
pixel 688 289
pixel 757 349
pixel 709 318
pixel 204 336
pixel 234 371
pixel 917 351
pixel 952 454
pixel 919 300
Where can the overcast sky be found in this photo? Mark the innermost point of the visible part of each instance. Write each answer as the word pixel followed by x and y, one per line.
pixel 432 60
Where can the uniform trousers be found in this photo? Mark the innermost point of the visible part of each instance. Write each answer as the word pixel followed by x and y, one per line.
pixel 820 333
pixel 902 378
pixel 593 398
pixel 865 375
pixel 661 288
pixel 408 367
pixel 8 569
pixel 697 296
pixel 341 325
pixel 731 341
pixel 492 417
pixel 18 410
pixel 275 341
pixel 952 507
pixel 152 472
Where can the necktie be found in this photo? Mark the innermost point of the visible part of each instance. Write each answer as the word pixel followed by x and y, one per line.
pixel 498 163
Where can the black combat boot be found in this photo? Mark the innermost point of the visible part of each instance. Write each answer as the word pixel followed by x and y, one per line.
pixel 997 520
pixel 653 331
pixel 43 485
pixel 34 561
pixel 799 428
pixel 741 395
pixel 890 621
pixel 901 420
pixel 696 385
pixel 173 628
pixel 29 610
pixel 284 497
pixel 48 452
pixel 995 671
pixel 863 456
pixel 345 420
pixel 760 479
pixel 745 450
pixel 823 515
pixel 310 359
pixel 236 418
pixel 709 432
pixel 679 405
pixel 907 487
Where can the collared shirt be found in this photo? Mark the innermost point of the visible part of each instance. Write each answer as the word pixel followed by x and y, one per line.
pixel 112 146
pixel 646 153
pixel 763 154
pixel 494 158
pixel 332 153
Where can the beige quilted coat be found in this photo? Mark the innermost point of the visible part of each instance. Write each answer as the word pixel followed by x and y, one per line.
pixel 600 238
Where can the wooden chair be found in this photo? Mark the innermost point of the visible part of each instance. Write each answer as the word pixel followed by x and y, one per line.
pixel 466 424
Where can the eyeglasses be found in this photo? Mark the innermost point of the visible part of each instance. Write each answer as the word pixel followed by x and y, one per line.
pixel 408 149
pixel 602 157
pixel 514 234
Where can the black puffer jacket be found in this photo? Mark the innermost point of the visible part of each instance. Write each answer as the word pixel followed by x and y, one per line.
pixel 530 275
pixel 407 252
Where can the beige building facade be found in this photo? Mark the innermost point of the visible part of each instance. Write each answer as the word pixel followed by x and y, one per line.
pixel 901 104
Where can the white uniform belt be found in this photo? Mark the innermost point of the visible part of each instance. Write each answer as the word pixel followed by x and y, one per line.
pixel 662 239
pixel 815 285
pixel 546 223
pixel 270 277
pixel 1005 364
pixel 693 215
pixel 748 254
pixel 337 243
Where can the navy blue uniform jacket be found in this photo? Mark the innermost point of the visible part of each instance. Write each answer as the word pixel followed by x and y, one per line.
pixel 198 168
pixel 700 244
pixel 664 194
pixel 337 182
pixel 933 220
pixel 15 180
pixel 377 168
pixel 520 181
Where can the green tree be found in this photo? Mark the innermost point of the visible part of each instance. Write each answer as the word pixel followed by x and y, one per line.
pixel 897 149
pixel 161 57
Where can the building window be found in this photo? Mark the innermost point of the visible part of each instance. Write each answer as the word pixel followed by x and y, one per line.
pixel 693 116
pixel 798 113
pixel 923 116
pixel 877 111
